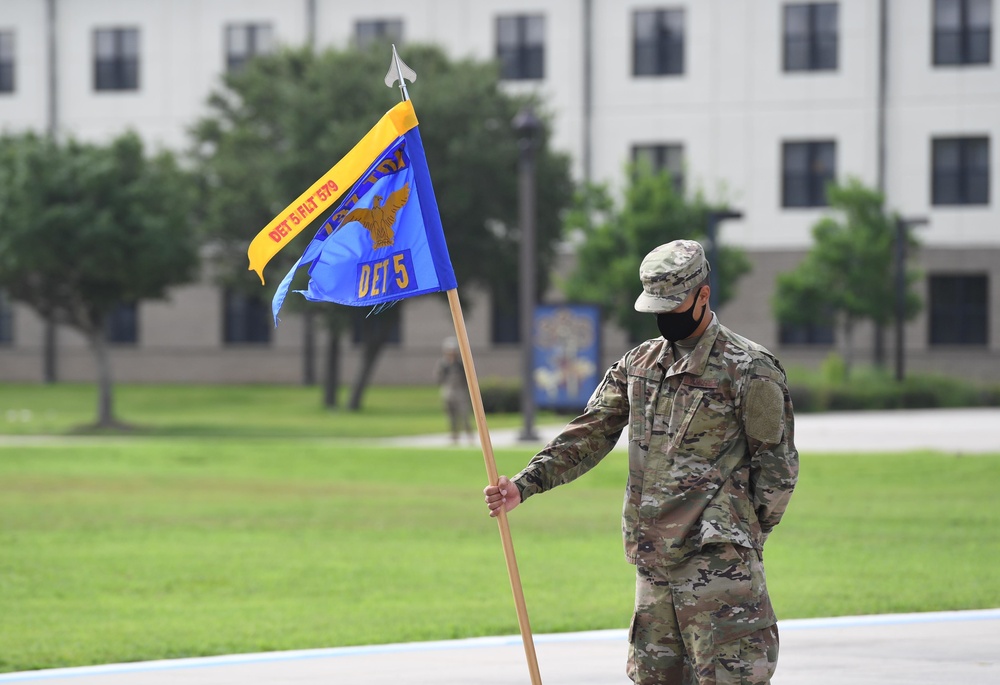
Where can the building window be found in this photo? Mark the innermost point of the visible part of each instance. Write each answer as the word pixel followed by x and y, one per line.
pixel 505 319
pixel 245 41
pixel 6 319
pixel 116 59
pixel 122 324
pixel 962 32
pixel 521 46
pixel 807 168
pixel 959 310
pixel 371 32
pixel 806 334
pixel 658 42
pixel 662 157
pixel 247 318
pixel 6 61
pixel 961 171
pixel 811 36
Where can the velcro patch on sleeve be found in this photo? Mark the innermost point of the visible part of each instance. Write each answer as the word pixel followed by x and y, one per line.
pixel 764 411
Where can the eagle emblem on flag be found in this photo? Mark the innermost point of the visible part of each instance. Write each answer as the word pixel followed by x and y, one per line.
pixel 380 218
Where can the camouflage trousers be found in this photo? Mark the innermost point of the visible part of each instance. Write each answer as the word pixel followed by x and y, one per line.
pixel 706 621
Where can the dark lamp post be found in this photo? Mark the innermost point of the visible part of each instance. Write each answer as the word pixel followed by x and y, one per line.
pixel 715 217
pixel 527 127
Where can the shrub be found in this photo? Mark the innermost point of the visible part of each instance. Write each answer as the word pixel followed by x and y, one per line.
pixel 500 396
pixel 877 389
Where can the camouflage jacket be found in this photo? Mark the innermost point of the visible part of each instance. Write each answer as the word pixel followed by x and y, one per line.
pixel 711 456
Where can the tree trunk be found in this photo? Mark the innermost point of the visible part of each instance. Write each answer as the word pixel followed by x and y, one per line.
pixel 309 348
pixel 331 378
pixel 368 358
pixel 878 349
pixel 375 332
pixel 49 371
pixel 848 346
pixel 105 390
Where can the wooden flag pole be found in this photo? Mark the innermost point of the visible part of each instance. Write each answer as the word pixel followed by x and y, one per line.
pixel 491 472
pixel 398 71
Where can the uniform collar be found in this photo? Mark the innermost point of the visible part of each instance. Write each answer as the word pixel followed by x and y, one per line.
pixel 696 362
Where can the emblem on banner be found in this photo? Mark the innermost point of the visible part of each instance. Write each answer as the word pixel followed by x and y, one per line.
pixel 380 218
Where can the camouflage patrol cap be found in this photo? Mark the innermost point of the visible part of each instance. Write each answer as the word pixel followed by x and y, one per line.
pixel 668 273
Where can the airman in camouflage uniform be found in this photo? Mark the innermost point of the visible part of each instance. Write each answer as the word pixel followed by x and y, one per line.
pixel 454 390
pixel 712 466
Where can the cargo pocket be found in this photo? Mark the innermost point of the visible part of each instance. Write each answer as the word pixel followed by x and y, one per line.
pixel 746 607
pixel 751 660
pixel 744 626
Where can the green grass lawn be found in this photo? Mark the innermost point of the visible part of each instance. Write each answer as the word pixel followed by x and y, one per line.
pixel 230 410
pixel 168 547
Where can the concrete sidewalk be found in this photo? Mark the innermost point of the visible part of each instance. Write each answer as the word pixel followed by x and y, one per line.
pixel 960 648
pixel 955 431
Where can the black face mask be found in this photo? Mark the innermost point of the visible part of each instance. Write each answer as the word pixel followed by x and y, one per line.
pixel 676 326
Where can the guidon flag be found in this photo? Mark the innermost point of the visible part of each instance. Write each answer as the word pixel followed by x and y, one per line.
pixel 384 241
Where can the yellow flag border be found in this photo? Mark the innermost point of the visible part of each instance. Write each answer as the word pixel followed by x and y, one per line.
pixel 322 194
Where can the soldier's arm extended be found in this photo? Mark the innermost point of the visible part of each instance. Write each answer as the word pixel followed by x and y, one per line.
pixel 766 413
pixel 584 442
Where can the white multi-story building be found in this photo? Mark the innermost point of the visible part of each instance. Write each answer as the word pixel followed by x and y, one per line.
pixel 756 102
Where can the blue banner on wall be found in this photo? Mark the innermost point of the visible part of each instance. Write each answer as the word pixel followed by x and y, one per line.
pixel 566 355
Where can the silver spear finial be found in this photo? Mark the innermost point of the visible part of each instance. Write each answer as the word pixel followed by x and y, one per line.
pixel 398 71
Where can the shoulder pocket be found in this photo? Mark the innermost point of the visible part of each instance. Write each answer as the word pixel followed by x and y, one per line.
pixel 764 410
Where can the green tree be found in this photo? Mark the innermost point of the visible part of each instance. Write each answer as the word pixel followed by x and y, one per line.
pixel 85 228
pixel 614 241
pixel 849 274
pixel 276 126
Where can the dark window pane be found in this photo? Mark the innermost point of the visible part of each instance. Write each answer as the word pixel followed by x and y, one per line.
pixel 658 42
pixel 960 171
pixel 948 14
pixel 122 325
pixel 797 158
pixel 959 310
pixel 521 46
pixel 980 21
pixel 807 169
pixel 811 37
pixel 822 171
pixel 796 54
pixel 978 46
pixel 116 59
pixel 6 61
pixel 245 41
pixel 797 20
pixel 247 318
pixel 978 155
pixel 962 32
pixel 947 47
pixel 796 191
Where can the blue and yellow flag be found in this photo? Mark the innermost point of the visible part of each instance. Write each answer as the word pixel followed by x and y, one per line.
pixel 384 241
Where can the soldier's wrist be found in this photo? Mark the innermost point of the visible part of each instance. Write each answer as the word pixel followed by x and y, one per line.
pixel 521 488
